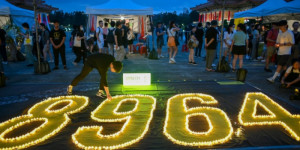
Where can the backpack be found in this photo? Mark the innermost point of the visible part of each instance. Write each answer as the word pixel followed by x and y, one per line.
pixel 224 66
pixel 241 75
pixel 110 38
pixel 95 37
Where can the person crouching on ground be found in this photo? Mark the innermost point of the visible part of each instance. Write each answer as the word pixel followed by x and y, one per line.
pixel 101 62
pixel 292 75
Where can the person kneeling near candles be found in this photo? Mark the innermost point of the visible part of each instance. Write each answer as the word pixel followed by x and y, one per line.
pixel 101 62
pixel 291 76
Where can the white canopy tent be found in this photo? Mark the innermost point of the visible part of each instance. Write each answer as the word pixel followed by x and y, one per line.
pixel 273 10
pixel 9 12
pixel 117 10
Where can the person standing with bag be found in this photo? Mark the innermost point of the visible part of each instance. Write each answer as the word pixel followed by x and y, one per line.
pixel 199 35
pixel 100 37
pixel 192 44
pixel 45 39
pixel 57 39
pixel 79 46
pixel 111 38
pixel 120 51
pixel 28 44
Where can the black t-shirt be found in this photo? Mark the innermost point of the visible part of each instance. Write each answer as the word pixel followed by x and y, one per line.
pixel 199 34
pixel 297 38
pixel 2 36
pixel 101 62
pixel 125 32
pixel 57 36
pixel 212 33
pixel 118 33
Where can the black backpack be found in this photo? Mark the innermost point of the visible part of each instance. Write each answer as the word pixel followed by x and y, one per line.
pixel 95 37
pixel 110 36
pixel 224 66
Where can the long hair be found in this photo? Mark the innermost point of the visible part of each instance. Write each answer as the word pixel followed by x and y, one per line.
pixel 171 24
pixel 228 28
pixel 242 27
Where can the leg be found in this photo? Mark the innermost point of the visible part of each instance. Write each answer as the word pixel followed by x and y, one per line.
pixel 200 48
pixel 207 59
pixel 63 55
pixel 241 57
pixel 77 51
pixel 235 57
pixel 175 52
pixel 84 72
pixel 3 52
pixel 170 52
pixel 45 52
pixel 55 53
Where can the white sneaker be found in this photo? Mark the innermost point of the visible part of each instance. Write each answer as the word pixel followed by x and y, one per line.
pixel 161 56
pixel 75 64
pixel 270 80
pixel 247 57
pixel 69 90
pixel 172 59
pixel 101 94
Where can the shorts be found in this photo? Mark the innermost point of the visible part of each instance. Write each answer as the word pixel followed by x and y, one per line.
pixel 239 50
pixel 160 43
pixel 283 60
pixel 271 50
pixel 100 45
pixel 171 41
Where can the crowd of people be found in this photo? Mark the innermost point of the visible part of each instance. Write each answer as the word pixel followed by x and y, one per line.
pixel 116 39
pixel 280 46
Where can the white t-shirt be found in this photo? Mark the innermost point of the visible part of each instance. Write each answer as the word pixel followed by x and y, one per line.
pixel 171 32
pixel 289 70
pixel 228 38
pixel 100 34
pixel 286 37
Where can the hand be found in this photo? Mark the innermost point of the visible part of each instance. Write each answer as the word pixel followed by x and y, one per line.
pixel 109 97
pixel 288 84
pixel 117 46
pixel 277 45
pixel 55 46
pixel 206 45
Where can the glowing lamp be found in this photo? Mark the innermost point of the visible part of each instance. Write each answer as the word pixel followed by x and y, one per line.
pixel 136 78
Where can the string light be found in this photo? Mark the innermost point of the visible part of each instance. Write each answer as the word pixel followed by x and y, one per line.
pixel 129 122
pixel 278 115
pixel 39 113
pixel 190 112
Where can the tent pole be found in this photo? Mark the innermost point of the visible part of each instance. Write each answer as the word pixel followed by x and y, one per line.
pixel 222 36
pixel 36 35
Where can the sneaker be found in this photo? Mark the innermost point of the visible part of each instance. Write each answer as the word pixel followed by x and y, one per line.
pixel 263 60
pixel 171 62
pixel 193 63
pixel 190 62
pixel 233 70
pixel 75 63
pixel 69 90
pixel 247 57
pixel 51 61
pixel 172 59
pixel 55 68
pixel 270 80
pixel 101 94
pixel 259 57
pixel 161 56
pixel 4 62
pixel 213 65
pixel 268 70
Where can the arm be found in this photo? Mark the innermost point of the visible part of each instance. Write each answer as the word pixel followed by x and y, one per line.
pixel 51 40
pixel 211 40
pixel 97 35
pixel 107 92
pixel 62 42
pixel 103 81
pixel 116 41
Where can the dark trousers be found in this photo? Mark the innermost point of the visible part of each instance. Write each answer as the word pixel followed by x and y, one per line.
pixel 198 49
pixel 79 52
pixel 3 52
pixel 84 72
pixel 62 53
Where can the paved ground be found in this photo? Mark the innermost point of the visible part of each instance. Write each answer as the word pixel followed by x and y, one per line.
pixel 24 89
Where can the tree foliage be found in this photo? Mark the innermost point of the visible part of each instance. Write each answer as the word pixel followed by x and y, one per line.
pixel 66 19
